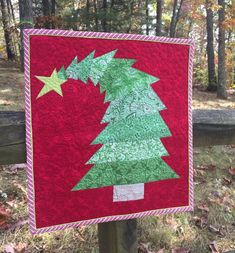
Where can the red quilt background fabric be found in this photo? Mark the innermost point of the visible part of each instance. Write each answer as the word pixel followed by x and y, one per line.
pixel 64 127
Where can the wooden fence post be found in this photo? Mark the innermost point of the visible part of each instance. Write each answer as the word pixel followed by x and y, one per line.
pixel 118 236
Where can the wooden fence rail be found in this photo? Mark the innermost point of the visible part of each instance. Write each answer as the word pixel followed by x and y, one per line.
pixel 210 128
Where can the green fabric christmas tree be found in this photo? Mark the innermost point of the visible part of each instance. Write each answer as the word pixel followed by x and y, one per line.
pixel 132 150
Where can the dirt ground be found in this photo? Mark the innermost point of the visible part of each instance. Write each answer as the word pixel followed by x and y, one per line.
pixel 210 228
pixel 11 87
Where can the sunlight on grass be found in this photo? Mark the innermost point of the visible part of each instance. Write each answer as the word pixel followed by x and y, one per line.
pixel 5 91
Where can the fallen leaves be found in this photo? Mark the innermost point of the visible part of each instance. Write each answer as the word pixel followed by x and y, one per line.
pixel 231 171
pixel 213 229
pixel 220 231
pixel 4 216
pixel 12 226
pixel 13 169
pixel 209 167
pixel 171 222
pixel 21 187
pixel 181 250
pixel 144 248
pixel 223 198
pixel 227 181
pixel 80 236
pixel 199 175
pixel 200 170
pixel 203 207
pixel 200 221
pixel 19 248
pixel 9 249
pixel 213 247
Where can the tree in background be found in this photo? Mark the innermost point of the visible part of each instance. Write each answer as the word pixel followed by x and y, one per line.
pixel 212 83
pixel 26 21
pixel 221 91
pixel 159 17
pixel 230 43
pixel 11 55
pixel 147 16
pixel 48 10
pixel 175 17
pixel 104 16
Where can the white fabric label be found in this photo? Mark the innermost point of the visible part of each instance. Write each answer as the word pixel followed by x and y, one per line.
pixel 128 192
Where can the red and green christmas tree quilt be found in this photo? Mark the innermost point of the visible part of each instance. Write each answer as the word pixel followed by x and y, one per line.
pixel 109 127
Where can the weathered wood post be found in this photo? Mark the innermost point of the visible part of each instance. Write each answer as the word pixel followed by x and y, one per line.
pixel 210 127
pixel 118 236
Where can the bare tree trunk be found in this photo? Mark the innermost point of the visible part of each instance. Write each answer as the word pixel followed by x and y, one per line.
pixel 87 15
pixel 147 16
pixel 46 7
pixel 46 12
pixel 131 14
pixel 221 91
pixel 178 16
pixel 26 21
pixel 9 2
pixel 53 25
pixel 212 83
pixel 11 16
pixel 52 7
pixel 189 27
pixel 159 17
pixel 175 17
pixel 229 36
pixel 7 32
pixel 110 26
pixel 104 18
pixel 96 17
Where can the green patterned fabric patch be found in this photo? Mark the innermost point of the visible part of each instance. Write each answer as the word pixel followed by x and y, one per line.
pixel 142 101
pixel 129 151
pixel 134 128
pixel 131 172
pixel 99 66
pixel 80 70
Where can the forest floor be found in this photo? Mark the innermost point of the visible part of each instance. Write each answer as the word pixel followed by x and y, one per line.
pixel 209 228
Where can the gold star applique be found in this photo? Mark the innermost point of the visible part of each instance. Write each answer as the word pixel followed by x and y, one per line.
pixel 52 82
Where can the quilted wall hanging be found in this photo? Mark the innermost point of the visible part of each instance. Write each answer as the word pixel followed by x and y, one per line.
pixel 108 127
